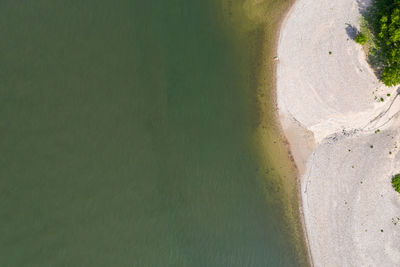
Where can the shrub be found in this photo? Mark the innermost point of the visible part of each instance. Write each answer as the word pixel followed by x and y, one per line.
pixel 361 38
pixel 396 182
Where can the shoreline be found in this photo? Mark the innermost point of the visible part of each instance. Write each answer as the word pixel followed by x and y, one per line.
pixel 322 120
pixel 283 134
pixel 282 158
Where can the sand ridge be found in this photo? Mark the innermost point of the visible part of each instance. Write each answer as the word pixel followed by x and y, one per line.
pixel 340 134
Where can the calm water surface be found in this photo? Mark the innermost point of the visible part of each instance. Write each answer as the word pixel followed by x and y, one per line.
pixel 125 132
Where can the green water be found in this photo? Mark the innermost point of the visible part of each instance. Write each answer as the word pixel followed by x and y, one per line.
pixel 125 132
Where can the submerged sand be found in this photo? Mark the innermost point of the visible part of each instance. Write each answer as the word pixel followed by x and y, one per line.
pixel 345 141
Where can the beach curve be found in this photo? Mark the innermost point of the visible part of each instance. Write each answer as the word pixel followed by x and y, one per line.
pixel 344 141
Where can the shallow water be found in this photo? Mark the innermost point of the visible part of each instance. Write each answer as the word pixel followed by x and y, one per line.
pixel 126 136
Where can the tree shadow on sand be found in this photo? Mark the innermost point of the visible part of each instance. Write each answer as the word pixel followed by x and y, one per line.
pixel 363 5
pixel 351 31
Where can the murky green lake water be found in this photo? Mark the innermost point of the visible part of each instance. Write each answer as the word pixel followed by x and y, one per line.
pixel 125 137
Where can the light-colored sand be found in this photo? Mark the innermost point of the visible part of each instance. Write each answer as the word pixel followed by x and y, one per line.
pixel 329 114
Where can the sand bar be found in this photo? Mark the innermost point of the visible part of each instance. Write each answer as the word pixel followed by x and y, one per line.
pixel 328 100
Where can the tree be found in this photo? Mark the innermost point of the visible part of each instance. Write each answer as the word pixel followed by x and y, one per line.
pixel 384 22
pixel 391 75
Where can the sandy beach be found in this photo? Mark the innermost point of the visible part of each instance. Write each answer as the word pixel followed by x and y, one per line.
pixel 344 139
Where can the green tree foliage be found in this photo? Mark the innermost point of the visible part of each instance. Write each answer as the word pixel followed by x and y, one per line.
pixel 384 19
pixel 361 38
pixel 391 74
pixel 396 182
